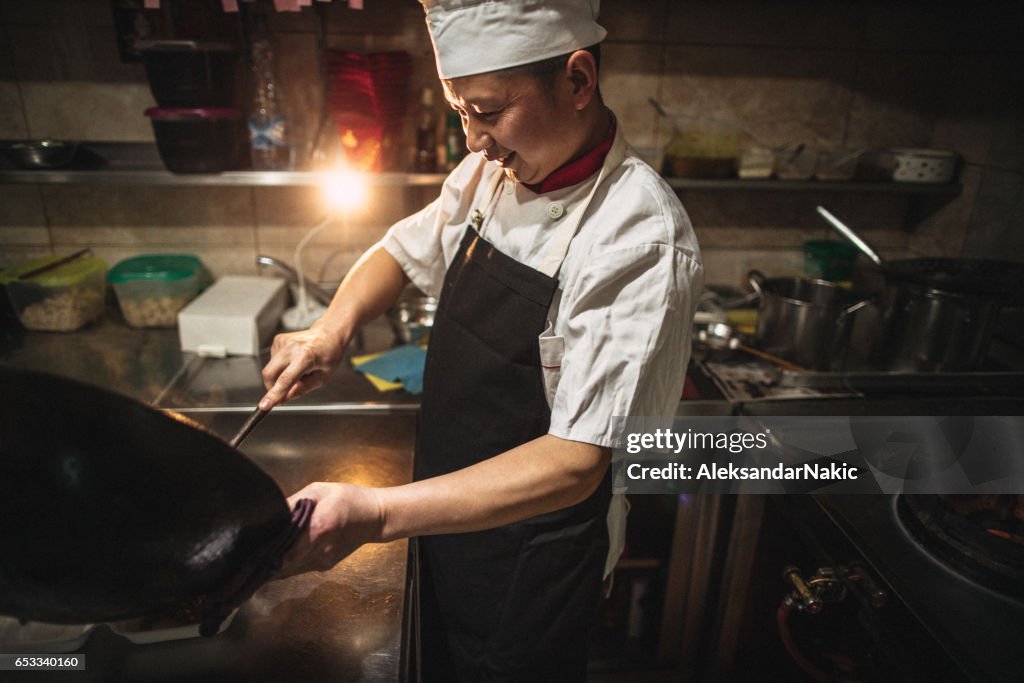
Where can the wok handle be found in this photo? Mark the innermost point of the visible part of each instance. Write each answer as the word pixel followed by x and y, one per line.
pixel 249 425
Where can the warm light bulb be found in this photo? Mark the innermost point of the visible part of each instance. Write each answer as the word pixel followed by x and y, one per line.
pixel 344 190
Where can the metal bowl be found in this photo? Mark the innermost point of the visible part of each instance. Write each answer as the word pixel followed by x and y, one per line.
pixel 412 317
pixel 35 154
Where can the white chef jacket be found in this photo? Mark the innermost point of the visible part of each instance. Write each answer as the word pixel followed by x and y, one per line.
pixel 618 338
pixel 627 289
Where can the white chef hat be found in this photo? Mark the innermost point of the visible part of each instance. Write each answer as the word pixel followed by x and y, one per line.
pixel 477 36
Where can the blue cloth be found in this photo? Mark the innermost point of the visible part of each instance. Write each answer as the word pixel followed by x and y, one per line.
pixel 401 364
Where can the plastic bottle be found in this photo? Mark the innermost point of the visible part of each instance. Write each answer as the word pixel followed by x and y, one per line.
pixel 426 135
pixel 268 125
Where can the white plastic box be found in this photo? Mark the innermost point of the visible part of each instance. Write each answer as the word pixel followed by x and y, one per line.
pixel 236 315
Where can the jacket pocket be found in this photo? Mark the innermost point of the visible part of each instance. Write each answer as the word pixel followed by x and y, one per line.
pixel 552 348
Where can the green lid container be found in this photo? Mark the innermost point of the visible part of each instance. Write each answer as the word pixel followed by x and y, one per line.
pixel 151 289
pixel 155 268
pixel 829 260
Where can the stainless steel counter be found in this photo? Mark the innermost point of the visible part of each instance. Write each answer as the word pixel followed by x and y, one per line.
pixel 346 624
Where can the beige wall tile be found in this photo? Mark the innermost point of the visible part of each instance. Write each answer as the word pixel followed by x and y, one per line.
pixel 284 215
pixel 773 96
pixel 630 75
pixel 12 116
pixel 322 263
pixel 116 215
pixel 904 27
pixel 644 21
pixel 21 205
pixel 11 254
pixel 897 99
pixel 785 24
pixel 730 266
pixel 88 111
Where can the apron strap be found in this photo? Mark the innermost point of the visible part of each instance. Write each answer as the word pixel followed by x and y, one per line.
pixel 570 226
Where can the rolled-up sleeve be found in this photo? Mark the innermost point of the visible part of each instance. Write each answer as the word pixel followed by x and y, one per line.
pixel 627 339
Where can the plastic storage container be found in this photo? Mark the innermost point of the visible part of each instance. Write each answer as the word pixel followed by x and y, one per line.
pixel 60 300
pixel 829 260
pixel 152 288
pixel 199 140
pixel 186 73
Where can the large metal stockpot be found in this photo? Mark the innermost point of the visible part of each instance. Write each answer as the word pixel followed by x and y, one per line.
pixel 805 321
pixel 937 315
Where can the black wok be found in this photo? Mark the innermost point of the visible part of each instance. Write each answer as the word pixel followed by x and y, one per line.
pixel 1002 281
pixel 110 509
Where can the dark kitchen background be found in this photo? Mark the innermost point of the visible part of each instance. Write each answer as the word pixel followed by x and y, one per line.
pixel 844 74
pixel 700 594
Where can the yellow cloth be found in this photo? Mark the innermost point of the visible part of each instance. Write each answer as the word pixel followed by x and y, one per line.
pixel 380 384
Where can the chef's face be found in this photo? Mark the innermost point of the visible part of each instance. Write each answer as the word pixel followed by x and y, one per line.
pixel 526 124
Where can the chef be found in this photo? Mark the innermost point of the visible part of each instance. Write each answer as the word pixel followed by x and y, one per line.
pixel 567 274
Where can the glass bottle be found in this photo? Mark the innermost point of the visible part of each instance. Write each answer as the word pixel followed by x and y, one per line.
pixel 454 141
pixel 426 135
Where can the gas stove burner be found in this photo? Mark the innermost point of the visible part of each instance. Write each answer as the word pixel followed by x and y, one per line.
pixel 979 536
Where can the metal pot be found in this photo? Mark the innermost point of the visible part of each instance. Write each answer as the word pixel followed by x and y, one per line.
pixel 927 329
pixel 937 314
pixel 805 321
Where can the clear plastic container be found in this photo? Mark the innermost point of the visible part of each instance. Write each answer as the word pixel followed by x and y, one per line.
pixel 60 300
pixel 152 288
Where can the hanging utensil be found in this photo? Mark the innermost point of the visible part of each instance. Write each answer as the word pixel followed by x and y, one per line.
pixel 849 234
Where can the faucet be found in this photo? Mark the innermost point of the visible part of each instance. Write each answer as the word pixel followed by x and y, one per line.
pixel 314 290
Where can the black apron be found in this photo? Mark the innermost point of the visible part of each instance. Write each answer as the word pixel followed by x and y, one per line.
pixel 515 603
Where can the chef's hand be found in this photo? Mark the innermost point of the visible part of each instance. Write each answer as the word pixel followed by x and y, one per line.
pixel 345 517
pixel 299 363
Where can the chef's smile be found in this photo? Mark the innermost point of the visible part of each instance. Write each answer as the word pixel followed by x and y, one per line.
pixel 518 122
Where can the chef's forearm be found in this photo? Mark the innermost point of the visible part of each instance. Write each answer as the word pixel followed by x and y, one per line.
pixel 371 286
pixel 546 474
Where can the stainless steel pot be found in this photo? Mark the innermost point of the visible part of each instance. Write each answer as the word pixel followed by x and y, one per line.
pixel 937 314
pixel 924 329
pixel 805 321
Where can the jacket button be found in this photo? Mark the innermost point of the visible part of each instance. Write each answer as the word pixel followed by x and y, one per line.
pixel 555 210
pixel 510 187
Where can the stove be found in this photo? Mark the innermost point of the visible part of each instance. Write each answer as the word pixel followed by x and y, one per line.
pixel 947 572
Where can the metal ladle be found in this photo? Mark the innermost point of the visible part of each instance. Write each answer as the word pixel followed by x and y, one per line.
pixel 722 336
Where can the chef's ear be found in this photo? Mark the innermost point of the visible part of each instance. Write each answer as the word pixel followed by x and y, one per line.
pixel 582 72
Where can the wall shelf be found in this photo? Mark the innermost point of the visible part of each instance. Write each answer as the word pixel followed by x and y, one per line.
pixel 736 185
pixel 160 177
pixel 106 163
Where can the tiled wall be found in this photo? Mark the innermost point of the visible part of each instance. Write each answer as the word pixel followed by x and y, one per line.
pixel 847 74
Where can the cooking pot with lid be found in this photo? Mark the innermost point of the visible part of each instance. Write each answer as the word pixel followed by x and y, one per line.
pixel 937 314
pixel 805 321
